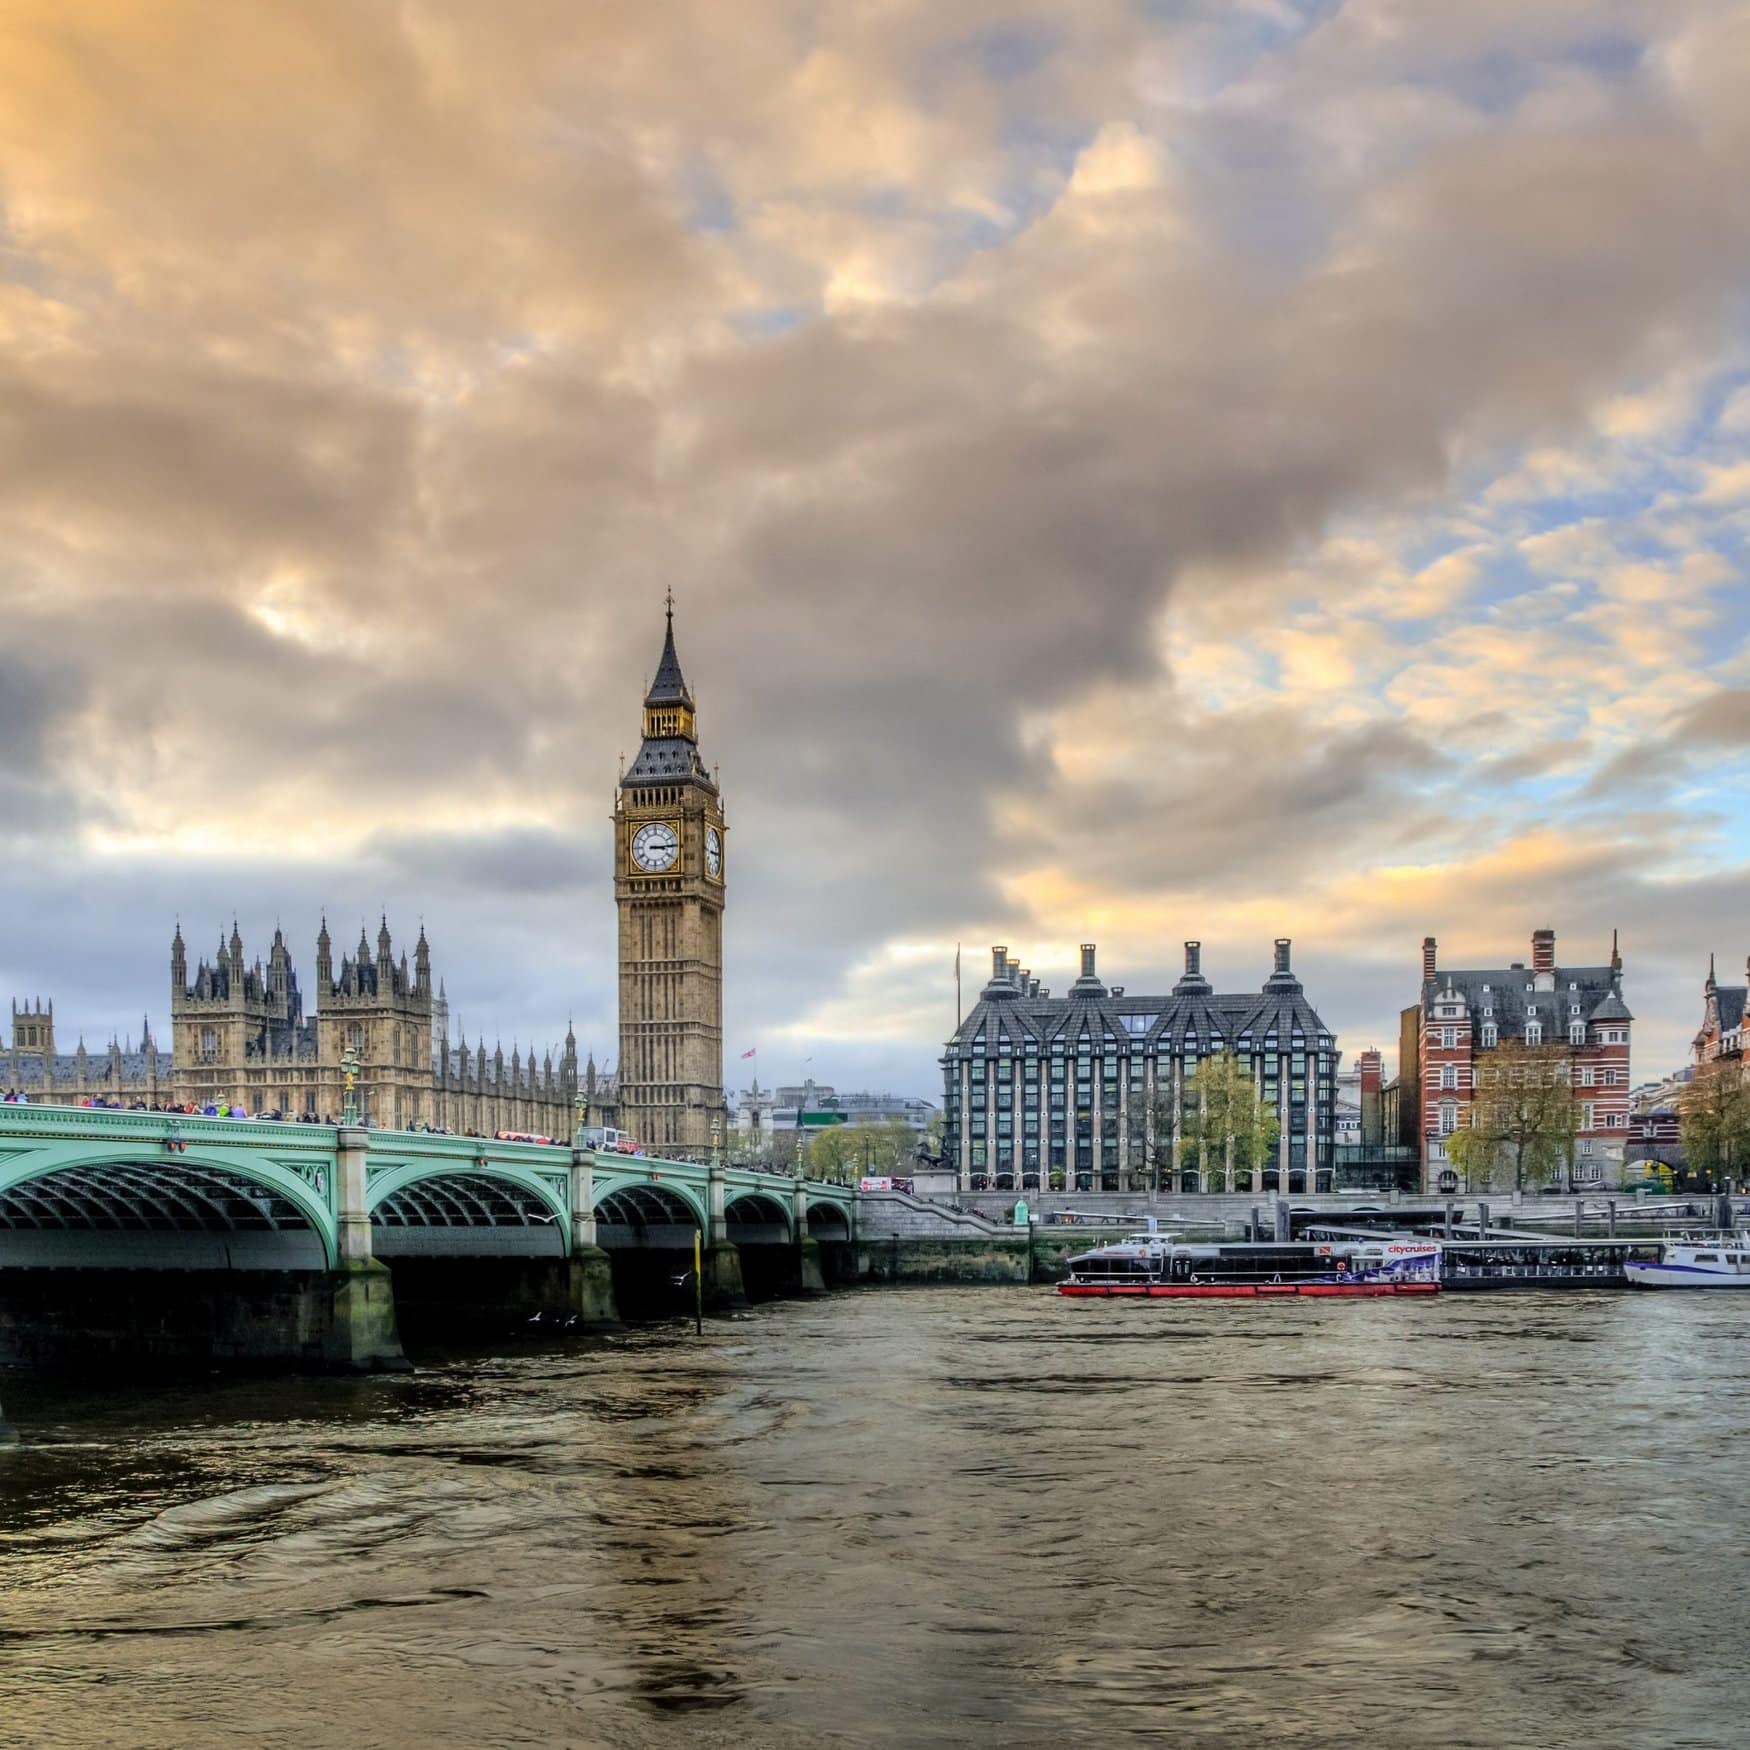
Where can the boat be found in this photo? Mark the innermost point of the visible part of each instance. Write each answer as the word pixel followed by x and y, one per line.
pixel 1696 1261
pixel 1157 1267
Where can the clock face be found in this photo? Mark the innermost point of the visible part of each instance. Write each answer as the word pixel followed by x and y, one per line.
pixel 655 847
pixel 713 852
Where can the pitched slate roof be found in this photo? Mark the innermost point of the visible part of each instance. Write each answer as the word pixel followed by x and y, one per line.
pixel 1507 996
pixel 668 759
pixel 1093 1017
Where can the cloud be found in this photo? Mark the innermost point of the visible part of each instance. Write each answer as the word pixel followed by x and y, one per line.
pixel 369 375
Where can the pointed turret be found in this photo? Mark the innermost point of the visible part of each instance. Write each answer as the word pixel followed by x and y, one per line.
pixel 422 962
pixel 670 686
pixel 324 962
pixel 178 962
pixel 670 751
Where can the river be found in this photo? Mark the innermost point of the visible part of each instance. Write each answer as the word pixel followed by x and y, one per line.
pixel 911 1518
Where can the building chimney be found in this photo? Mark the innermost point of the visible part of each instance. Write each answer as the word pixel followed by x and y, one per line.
pixel 1371 1067
pixel 999 964
pixel 1543 950
pixel 1088 960
pixel 1193 959
pixel 1282 947
pixel 1427 959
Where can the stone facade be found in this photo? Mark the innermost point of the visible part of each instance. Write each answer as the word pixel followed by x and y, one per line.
pixel 240 1038
pixel 669 883
pixel 31 1065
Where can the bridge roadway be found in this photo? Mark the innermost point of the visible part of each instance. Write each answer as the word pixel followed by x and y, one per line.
pixel 313 1235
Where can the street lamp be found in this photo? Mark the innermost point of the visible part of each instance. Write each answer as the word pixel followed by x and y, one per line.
pixel 349 1070
pixel 582 1119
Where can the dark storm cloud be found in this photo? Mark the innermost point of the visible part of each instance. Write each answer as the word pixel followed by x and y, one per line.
pixel 1267 798
pixel 517 864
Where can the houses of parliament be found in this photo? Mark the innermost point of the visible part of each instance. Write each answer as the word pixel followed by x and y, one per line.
pixel 239 1035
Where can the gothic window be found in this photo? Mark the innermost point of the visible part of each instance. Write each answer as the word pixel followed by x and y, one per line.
pixel 209 1043
pixel 355 1036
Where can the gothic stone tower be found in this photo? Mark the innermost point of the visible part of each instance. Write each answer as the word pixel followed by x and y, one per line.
pixel 668 885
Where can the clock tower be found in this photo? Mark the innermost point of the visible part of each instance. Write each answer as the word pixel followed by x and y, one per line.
pixel 669 858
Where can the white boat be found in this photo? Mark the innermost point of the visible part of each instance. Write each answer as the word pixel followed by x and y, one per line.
pixel 1711 1261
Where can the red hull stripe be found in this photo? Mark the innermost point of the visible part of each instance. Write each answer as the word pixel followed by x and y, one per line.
pixel 1246 1290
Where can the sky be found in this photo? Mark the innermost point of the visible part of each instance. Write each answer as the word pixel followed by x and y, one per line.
pixel 1127 471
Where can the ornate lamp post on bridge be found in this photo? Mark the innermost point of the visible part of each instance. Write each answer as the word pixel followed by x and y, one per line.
pixel 349 1071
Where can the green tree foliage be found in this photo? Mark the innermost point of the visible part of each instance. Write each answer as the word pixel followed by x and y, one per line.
pixel 1713 1117
pixel 848 1152
pixel 1520 1128
pixel 1232 1132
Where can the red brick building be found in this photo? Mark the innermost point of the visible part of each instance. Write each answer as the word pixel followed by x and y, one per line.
pixel 1465 1014
pixel 1722 1022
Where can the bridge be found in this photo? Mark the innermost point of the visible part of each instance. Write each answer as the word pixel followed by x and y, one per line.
pixel 264 1240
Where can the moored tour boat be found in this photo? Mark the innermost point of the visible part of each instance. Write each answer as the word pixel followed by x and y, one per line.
pixel 1152 1266
pixel 1714 1261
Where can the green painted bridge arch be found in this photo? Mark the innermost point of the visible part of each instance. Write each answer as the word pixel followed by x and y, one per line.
pixel 168 1190
pixel 460 1196
pixel 82 1188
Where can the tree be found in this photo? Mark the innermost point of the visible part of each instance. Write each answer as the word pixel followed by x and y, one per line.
pixel 888 1148
pixel 1713 1122
pixel 1233 1130
pixel 831 1152
pixel 1521 1118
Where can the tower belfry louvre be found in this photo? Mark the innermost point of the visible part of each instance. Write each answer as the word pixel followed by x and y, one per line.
pixel 669 867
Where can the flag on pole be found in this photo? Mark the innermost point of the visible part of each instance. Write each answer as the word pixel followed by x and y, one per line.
pixel 750 1053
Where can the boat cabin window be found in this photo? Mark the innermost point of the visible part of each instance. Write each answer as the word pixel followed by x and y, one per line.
pixel 1707 1257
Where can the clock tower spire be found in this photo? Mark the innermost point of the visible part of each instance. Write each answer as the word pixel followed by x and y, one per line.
pixel 668 890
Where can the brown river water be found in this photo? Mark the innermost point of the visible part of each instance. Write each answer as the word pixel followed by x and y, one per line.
pixel 912 1518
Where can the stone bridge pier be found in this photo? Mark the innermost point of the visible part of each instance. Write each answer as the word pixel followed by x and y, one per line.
pixel 721 1260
